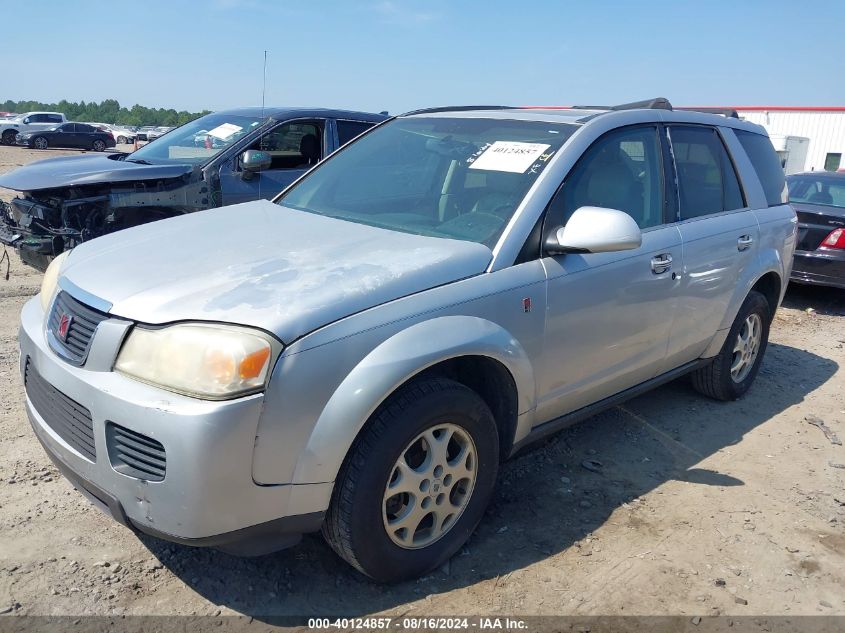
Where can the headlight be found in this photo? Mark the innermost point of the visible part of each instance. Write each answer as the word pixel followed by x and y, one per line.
pixel 206 361
pixel 51 279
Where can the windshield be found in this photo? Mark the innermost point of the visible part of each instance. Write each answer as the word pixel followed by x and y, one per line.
pixel 444 177
pixel 824 190
pixel 198 141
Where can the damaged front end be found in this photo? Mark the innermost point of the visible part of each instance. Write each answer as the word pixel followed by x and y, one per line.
pixel 42 224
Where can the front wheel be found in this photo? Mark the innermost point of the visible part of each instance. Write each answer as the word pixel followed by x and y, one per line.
pixel 98 145
pixel 8 137
pixel 39 142
pixel 730 374
pixel 416 482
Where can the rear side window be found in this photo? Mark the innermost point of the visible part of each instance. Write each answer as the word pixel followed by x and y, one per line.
pixel 766 163
pixel 707 181
pixel 53 118
pixel 88 129
pixel 347 130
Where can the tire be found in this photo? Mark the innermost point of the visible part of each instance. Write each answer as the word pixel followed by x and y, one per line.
pixel 121 140
pixel 39 142
pixel 361 523
pixel 8 137
pixel 717 380
pixel 98 145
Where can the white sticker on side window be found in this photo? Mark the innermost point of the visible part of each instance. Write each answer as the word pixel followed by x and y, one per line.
pixel 511 156
pixel 224 131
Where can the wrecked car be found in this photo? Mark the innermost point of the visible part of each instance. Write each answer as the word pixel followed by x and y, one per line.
pixel 245 155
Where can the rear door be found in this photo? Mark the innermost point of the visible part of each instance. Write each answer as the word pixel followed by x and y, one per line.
pixel 294 146
pixel 85 135
pixel 66 136
pixel 720 237
pixel 609 315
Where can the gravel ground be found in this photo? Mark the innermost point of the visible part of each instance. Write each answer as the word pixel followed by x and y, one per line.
pixel 698 508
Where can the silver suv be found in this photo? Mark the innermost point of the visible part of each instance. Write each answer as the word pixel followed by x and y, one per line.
pixel 360 354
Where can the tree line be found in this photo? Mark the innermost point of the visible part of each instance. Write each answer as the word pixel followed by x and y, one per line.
pixel 107 111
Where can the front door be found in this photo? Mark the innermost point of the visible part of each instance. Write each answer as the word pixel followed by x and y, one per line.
pixel 609 314
pixel 294 147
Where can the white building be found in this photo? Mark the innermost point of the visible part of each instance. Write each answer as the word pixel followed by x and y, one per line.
pixel 824 127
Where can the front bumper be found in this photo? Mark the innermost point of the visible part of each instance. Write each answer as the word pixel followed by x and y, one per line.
pixel 208 496
pixel 821 267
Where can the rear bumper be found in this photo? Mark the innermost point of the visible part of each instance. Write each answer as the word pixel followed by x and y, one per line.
pixel 821 267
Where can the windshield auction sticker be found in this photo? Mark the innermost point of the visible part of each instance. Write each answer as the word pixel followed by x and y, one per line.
pixel 511 156
pixel 224 131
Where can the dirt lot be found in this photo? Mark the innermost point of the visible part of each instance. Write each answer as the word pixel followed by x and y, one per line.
pixel 699 507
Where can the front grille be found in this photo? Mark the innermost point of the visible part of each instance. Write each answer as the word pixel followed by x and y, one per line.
pixel 69 419
pixel 83 322
pixel 135 455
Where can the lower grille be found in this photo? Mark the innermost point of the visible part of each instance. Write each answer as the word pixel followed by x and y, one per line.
pixel 69 419
pixel 135 455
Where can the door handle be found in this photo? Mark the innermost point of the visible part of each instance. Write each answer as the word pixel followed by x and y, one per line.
pixel 661 263
pixel 744 242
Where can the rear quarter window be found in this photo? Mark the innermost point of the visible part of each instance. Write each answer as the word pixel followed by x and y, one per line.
pixel 766 163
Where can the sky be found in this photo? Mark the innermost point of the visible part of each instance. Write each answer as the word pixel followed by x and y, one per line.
pixel 399 55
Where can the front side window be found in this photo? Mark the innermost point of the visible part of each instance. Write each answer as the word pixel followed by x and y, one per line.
pixel 67 127
pixel 707 181
pixel 458 178
pixel 295 145
pixel 197 142
pixel 622 170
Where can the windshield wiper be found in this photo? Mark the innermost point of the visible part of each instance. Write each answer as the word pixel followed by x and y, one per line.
pixel 140 161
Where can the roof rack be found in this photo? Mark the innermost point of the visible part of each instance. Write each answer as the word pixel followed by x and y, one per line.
pixel 726 112
pixel 457 109
pixel 658 103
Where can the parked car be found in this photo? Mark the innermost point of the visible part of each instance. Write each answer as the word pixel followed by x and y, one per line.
pixel 359 355
pixel 818 198
pixel 29 122
pixel 256 153
pixel 123 134
pixel 152 132
pixel 73 135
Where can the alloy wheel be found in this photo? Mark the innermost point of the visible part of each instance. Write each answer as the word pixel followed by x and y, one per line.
pixel 40 143
pixel 746 347
pixel 430 486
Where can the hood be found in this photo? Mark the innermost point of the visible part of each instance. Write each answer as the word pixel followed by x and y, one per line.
pixel 67 171
pixel 263 265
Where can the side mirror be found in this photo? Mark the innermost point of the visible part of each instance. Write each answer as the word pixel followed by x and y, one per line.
pixel 26 121
pixel 253 160
pixel 596 230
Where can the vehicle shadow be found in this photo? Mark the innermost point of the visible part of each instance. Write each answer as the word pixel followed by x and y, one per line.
pixel 824 300
pixel 546 501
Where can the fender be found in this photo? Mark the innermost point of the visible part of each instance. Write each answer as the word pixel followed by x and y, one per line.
pixel 394 362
